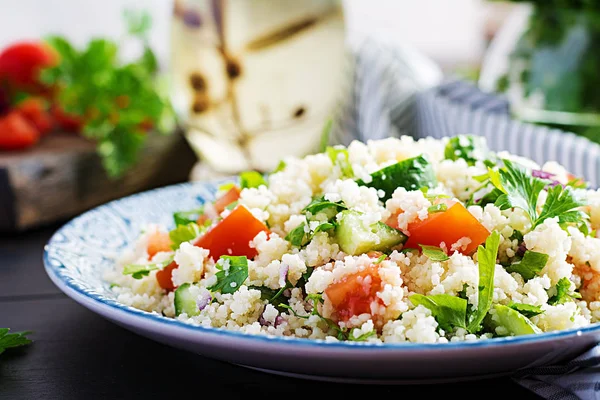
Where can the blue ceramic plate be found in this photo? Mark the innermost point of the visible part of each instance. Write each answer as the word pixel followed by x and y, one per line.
pixel 79 253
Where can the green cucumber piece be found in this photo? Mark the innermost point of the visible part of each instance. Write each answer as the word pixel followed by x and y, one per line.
pixel 513 321
pixel 354 238
pixel 185 300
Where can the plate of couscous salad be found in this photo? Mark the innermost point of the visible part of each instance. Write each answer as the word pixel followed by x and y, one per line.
pixel 394 260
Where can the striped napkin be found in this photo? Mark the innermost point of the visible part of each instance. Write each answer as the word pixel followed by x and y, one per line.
pixel 391 98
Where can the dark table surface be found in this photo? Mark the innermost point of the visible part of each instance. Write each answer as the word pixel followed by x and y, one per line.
pixel 78 355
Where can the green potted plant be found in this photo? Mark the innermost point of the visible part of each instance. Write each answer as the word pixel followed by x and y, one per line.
pixel 546 59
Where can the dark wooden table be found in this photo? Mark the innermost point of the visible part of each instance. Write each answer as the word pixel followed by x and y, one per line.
pixel 79 355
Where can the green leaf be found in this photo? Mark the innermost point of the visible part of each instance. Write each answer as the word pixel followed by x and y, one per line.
pixel 321 205
pixel 469 148
pixel 138 271
pixel 526 309
pixel 326 134
pixel 251 179
pixel 411 174
pixel 380 259
pixel 280 167
pixel 361 338
pixel 437 208
pixel 11 340
pixel 486 258
pixel 298 236
pixel 233 271
pixel 184 233
pixel 434 253
pixel 561 202
pixel 530 265
pixel 563 293
pixel 449 311
pixel 339 156
pixel 187 217
pixel 521 190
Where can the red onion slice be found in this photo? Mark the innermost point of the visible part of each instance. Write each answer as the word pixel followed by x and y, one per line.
pixel 283 272
pixel 204 299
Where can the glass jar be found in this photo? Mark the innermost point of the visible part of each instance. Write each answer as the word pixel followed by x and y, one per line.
pixel 256 80
pixel 546 59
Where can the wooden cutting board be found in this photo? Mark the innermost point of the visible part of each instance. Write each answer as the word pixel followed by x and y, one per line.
pixel 62 176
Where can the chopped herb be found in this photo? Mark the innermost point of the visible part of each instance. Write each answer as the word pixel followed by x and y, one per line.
pixel 251 179
pixel 469 148
pixel 305 276
pixel 562 203
pixel 138 271
pixel 11 340
pixel 526 309
pixel 486 257
pixel 517 235
pixel 411 174
pixel 326 134
pixel 521 190
pixel 437 208
pixel 187 217
pixel 434 253
pixel 280 167
pixel 563 286
pixel 530 265
pixel 449 311
pixel 226 187
pixel 230 279
pixel 274 297
pixel 321 205
pixel 298 236
pixel 184 233
pixel 409 250
pixel 380 259
pixel 362 337
pixel 339 156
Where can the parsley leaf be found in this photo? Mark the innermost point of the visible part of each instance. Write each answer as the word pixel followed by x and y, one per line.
pixel 116 102
pixel 251 179
pixel 299 236
pixel 486 257
pixel 526 309
pixel 361 338
pixel 184 233
pixel 519 188
pixel 530 265
pixel 10 340
pixel 187 217
pixel 449 311
pixel 469 148
pixel 562 203
pixel 280 167
pixel 562 295
pixel 434 253
pixel 411 174
pixel 339 156
pixel 233 271
pixel 138 271
pixel 321 205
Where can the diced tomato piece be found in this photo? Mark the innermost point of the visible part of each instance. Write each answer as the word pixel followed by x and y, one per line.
pixel 449 227
pixel 222 202
pixel 157 242
pixel 164 276
pixel 21 63
pixel 233 234
pixel 34 110
pixel 16 132
pixel 355 293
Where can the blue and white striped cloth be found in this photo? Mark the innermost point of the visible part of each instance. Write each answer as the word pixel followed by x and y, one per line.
pixel 389 99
